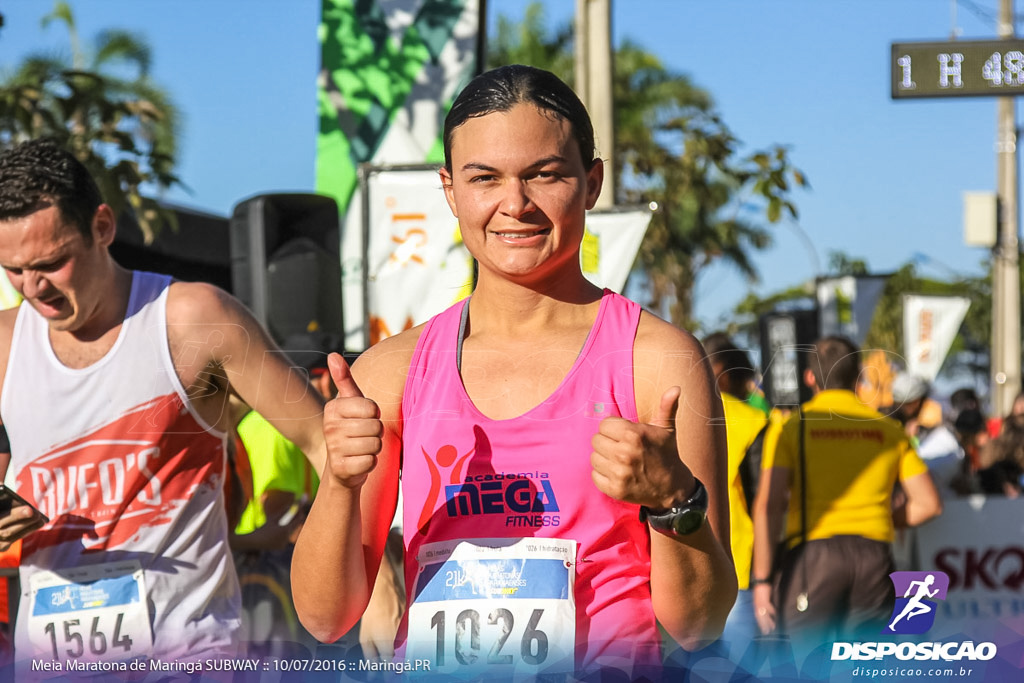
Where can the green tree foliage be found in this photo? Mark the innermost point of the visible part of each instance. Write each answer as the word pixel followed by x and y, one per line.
pixel 672 149
pixel 532 42
pixel 102 105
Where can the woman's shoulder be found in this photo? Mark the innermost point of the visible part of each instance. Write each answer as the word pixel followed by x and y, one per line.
pixel 656 335
pixel 380 371
pixel 666 356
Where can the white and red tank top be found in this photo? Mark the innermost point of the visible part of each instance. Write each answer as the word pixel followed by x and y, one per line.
pixel 131 478
pixel 466 476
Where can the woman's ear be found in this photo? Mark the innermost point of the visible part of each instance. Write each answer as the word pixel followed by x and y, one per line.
pixel 449 190
pixel 595 179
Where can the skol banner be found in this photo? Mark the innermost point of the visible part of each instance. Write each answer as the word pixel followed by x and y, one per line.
pixel 930 323
pixel 846 304
pixel 978 543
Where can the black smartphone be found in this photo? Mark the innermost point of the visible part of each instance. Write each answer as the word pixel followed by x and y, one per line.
pixel 9 498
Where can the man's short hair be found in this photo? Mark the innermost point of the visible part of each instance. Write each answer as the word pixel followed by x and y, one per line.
pixel 835 363
pixel 38 174
pixel 734 362
pixel 963 399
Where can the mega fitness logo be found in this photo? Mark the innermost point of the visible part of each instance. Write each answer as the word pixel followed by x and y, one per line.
pixel 524 499
pixel 914 614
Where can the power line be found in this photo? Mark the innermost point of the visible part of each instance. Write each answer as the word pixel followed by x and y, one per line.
pixel 985 13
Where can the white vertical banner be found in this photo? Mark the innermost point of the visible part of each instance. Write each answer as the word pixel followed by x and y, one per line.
pixel 610 246
pixel 930 323
pixel 846 304
pixel 417 265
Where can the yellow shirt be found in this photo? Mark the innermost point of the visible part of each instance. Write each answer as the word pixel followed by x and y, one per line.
pixel 742 425
pixel 277 464
pixel 854 457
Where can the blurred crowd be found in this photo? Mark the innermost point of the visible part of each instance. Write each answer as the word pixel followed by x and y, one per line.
pixel 967 450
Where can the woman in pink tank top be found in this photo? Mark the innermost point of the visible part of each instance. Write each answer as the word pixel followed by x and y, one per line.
pixel 561 451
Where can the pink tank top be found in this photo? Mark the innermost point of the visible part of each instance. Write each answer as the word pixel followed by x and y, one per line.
pixel 466 476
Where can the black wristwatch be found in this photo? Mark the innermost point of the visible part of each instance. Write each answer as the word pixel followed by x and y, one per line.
pixel 683 519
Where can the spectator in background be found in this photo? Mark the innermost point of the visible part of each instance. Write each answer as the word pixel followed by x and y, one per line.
pixel 972 434
pixel 964 398
pixel 934 441
pixel 745 428
pixel 261 541
pixel 909 393
pixel 827 491
pixel 1003 460
pixel 742 377
pixel 282 486
pixel 1017 407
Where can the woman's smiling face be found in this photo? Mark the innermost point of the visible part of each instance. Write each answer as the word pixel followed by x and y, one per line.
pixel 520 190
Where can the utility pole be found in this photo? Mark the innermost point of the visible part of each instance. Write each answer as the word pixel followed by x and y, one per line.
pixel 593 61
pixel 1006 329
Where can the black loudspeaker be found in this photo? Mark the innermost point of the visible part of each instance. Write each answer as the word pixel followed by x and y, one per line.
pixel 286 267
pixel 786 340
pixel 194 250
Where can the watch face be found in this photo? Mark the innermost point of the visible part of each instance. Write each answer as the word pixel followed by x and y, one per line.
pixel 688 521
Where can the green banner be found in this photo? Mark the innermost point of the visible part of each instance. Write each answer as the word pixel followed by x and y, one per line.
pixel 389 71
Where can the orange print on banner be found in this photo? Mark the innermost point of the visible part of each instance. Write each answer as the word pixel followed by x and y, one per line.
pixel 379 329
pixel 414 239
pixel 447 457
pixel 105 488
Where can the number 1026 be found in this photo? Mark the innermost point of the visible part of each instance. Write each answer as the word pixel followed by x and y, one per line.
pixel 532 646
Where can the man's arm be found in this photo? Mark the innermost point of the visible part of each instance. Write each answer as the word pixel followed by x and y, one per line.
pixel 922 501
pixel 681 435
pixel 770 507
pixel 379 624
pixel 21 520
pixel 213 338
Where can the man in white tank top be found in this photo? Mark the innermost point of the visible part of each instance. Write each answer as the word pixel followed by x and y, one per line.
pixel 114 386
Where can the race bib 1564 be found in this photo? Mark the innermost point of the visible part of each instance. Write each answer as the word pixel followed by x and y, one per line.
pixel 90 613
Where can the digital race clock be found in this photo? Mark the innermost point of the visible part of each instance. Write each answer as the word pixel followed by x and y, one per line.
pixel 957 68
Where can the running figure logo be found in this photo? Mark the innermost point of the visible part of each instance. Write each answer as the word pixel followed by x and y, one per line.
pixel 915 591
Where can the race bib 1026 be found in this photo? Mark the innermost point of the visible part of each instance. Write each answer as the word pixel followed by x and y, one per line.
pixel 501 606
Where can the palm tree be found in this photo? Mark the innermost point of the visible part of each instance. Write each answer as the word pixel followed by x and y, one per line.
pixel 103 106
pixel 672 148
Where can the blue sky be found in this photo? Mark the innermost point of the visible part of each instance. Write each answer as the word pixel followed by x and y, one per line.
pixel 886 177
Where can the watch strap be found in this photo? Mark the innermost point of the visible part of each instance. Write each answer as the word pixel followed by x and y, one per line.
pixel 682 519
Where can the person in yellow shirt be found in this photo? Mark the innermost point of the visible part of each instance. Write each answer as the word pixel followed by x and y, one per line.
pixel 744 425
pixel 827 490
